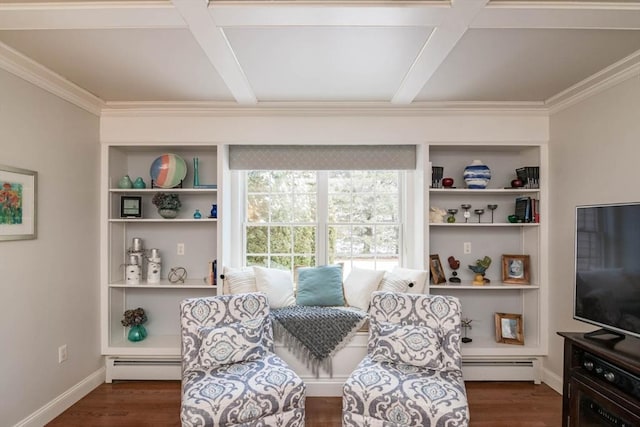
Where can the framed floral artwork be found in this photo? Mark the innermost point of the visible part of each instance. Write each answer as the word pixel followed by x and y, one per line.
pixel 17 203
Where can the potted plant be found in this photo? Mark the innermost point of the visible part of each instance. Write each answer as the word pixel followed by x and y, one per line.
pixel 135 319
pixel 168 204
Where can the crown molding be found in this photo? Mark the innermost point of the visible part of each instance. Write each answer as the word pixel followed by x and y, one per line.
pixel 616 73
pixel 146 109
pixel 27 69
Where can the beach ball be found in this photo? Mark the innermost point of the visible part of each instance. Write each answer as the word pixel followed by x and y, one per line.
pixel 168 170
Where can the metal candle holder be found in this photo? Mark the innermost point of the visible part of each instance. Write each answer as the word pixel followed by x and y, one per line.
pixel 467 214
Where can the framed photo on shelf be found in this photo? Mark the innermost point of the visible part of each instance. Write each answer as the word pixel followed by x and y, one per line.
pixel 509 328
pixel 515 269
pixel 18 194
pixel 437 273
pixel 130 206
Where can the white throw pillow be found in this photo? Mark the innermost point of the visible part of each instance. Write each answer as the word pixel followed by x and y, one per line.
pixel 277 284
pixel 393 283
pixel 359 286
pixel 417 277
pixel 240 281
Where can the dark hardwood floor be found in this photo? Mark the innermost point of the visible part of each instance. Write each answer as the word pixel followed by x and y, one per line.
pixel 157 403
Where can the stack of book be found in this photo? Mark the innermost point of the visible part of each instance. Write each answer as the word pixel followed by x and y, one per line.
pixel 529 175
pixel 527 209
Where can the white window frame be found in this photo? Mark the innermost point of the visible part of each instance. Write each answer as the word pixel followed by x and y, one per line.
pixel 239 251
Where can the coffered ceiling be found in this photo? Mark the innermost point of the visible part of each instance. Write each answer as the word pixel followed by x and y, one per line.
pixel 252 53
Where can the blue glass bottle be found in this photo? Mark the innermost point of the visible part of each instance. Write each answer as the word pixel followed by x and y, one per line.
pixel 214 211
pixel 197 214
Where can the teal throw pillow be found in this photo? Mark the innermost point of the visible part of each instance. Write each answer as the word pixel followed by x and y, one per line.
pixel 320 286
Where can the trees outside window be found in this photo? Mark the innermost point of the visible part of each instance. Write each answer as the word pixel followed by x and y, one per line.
pixel 305 218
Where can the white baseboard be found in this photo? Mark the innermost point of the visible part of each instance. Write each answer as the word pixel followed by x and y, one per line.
pixel 552 380
pixel 64 401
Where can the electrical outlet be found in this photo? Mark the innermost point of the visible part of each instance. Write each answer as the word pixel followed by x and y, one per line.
pixel 62 353
pixel 180 248
pixel 467 247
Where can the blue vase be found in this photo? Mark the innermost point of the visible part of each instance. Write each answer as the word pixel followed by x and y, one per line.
pixel 477 175
pixel 137 333
pixel 197 214
pixel 214 211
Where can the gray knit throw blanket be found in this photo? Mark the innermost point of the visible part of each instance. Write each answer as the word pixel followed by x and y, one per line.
pixel 315 334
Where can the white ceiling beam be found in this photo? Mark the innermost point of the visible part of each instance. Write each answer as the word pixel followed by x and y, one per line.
pixel 547 15
pixel 216 46
pixel 441 42
pixel 87 15
pixel 427 14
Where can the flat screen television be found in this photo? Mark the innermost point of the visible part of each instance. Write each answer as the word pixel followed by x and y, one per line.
pixel 607 268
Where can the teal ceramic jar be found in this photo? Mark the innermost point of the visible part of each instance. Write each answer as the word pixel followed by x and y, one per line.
pixel 125 182
pixel 139 183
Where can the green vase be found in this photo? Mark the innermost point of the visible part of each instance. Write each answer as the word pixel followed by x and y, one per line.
pixel 137 333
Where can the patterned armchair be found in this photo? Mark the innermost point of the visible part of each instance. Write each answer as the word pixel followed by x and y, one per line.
pixel 412 373
pixel 230 376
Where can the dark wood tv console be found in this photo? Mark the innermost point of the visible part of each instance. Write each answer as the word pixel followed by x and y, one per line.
pixel 601 381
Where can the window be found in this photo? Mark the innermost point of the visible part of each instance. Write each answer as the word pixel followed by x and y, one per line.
pixel 305 218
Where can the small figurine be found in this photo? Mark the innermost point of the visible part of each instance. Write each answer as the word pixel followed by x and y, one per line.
pixel 454 264
pixel 466 324
pixel 480 269
pixel 437 215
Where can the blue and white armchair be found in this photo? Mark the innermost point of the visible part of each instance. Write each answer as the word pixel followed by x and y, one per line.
pixel 412 373
pixel 230 375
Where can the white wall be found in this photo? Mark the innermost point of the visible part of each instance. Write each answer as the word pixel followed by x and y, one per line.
pixel 594 153
pixel 49 287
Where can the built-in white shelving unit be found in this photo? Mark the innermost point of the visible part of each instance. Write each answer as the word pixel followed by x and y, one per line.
pixel 493 239
pixel 158 355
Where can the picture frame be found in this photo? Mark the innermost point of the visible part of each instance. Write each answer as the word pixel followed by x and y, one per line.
pixel 130 206
pixel 509 328
pixel 515 269
pixel 18 196
pixel 437 272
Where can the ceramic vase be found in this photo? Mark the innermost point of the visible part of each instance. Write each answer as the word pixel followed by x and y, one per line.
pixel 477 175
pixel 196 172
pixel 168 213
pixel 137 333
pixel 214 211
pixel 139 183
pixel 125 182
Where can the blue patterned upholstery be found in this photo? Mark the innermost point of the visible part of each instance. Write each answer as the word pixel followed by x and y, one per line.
pixel 385 390
pixel 257 388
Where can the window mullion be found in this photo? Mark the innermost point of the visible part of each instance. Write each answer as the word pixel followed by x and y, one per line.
pixel 322 240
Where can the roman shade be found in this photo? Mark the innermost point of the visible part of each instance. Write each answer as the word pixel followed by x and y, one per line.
pixel 322 157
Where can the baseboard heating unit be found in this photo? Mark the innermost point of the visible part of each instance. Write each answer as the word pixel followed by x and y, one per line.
pixel 511 369
pixel 148 368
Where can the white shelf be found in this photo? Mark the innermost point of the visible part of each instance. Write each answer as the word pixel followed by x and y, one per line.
pixel 143 220
pixel 488 287
pixel 485 191
pixel 165 284
pixel 484 346
pixel 152 345
pixel 484 224
pixel 164 190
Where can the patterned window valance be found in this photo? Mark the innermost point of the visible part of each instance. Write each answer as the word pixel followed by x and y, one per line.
pixel 322 157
